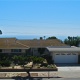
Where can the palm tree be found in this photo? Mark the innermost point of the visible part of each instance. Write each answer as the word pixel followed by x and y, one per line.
pixel 44 37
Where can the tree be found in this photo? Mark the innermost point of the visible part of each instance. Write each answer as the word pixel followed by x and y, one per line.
pixel 5 62
pixel 0 32
pixel 44 37
pixel 21 59
pixel 66 41
pixel 41 38
pixel 72 41
pixel 52 37
pixel 15 59
pixel 36 59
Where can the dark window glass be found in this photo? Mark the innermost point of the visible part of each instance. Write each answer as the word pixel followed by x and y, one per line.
pixel 16 50
pixel 73 54
pixel 62 54
pixel 57 54
pixel 0 50
pixel 68 54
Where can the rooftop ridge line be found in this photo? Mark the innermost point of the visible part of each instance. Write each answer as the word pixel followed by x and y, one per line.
pixel 22 44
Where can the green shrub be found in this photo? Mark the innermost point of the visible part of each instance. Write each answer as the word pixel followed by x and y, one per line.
pixel 49 59
pixel 5 63
pixel 51 66
pixel 37 59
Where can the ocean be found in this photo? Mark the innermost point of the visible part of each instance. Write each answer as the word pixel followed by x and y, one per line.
pixel 30 36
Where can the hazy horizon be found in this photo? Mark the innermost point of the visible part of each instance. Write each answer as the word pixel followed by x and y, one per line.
pixel 31 36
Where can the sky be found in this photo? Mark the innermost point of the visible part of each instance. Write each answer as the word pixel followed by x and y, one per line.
pixel 31 18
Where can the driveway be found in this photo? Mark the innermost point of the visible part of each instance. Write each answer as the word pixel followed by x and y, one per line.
pixel 68 67
pixel 68 70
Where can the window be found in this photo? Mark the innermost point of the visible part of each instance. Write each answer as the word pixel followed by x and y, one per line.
pixel 0 50
pixel 74 54
pixel 68 54
pixel 15 50
pixel 62 54
pixel 57 53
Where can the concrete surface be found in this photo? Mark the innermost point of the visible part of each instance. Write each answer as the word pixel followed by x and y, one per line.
pixel 69 71
pixel 66 74
pixel 66 68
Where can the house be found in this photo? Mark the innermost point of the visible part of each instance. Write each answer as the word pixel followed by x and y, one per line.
pixel 60 52
pixel 10 45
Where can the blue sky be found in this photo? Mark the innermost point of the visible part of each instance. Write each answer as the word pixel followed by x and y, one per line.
pixel 40 17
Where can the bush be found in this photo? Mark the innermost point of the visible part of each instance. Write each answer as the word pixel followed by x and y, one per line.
pixel 49 59
pixel 37 59
pixel 51 66
pixel 5 63
pixel 43 64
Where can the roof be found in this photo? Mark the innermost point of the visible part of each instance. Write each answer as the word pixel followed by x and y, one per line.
pixel 10 43
pixel 42 43
pixel 75 49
